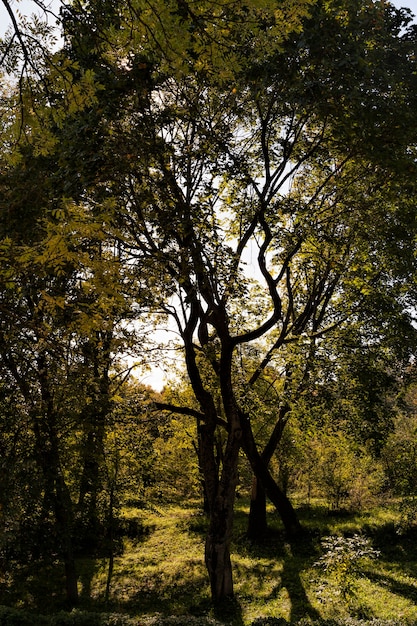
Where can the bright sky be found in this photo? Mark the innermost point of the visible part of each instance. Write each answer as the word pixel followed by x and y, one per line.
pixel 28 7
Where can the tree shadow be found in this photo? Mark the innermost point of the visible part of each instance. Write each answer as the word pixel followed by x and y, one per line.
pixel 100 554
pixel 407 590
pixel 157 595
pixel 393 545
pixel 87 569
pixel 295 556
pixel 298 552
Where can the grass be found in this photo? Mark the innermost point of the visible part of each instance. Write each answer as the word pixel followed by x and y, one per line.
pixel 161 573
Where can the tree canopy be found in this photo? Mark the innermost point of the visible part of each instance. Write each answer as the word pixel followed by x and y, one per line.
pixel 245 170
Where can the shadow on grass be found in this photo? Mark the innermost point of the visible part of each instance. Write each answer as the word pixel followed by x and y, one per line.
pixel 298 553
pixel 37 586
pixel 184 590
pixel 407 590
pixel 294 556
pixel 166 598
pixel 394 546
pixel 87 569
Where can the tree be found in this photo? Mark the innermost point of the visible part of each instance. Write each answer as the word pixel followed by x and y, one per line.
pixel 238 138
pixel 61 328
pixel 26 45
pixel 282 153
pixel 399 454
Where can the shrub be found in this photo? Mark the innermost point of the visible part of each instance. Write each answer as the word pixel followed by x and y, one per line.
pixel 344 557
pixel 16 617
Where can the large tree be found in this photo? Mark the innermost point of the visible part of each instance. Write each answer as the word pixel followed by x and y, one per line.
pixel 259 185
pixel 256 162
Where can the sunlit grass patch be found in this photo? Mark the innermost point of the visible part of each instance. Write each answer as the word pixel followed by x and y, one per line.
pixel 161 572
pixel 165 573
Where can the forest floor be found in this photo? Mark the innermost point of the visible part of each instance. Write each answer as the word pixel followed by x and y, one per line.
pixel 160 572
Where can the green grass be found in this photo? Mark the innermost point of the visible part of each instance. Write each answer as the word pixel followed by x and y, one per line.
pixel 162 573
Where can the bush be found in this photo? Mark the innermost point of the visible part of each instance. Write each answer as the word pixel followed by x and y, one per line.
pixel 344 557
pixel 15 617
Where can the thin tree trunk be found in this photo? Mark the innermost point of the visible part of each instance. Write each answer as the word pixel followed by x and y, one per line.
pixel 257 524
pixel 97 358
pixel 71 577
pixel 64 517
pixel 111 542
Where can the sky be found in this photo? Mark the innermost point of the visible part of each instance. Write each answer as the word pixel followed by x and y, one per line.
pixel 28 6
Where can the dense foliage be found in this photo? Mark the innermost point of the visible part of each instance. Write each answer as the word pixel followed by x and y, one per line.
pixel 239 177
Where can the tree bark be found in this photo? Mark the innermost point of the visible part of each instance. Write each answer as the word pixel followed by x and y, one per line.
pixel 217 558
pixel 281 502
pixel 71 577
pixel 219 536
pixel 257 524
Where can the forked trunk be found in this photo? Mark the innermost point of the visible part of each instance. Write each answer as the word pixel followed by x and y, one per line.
pixel 257 522
pixel 219 464
pixel 260 469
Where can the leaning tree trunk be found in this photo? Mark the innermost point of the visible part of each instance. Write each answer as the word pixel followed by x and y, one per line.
pixel 257 522
pixel 278 498
pixel 260 469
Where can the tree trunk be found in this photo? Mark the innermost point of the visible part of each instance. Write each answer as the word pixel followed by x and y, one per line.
pixel 217 559
pixel 65 523
pixel 57 493
pixel 71 578
pixel 219 536
pixel 220 489
pixel 97 359
pixel 257 524
pixel 281 502
pixel 260 469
